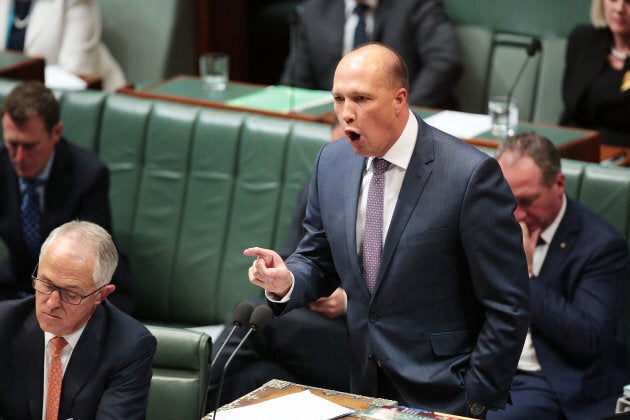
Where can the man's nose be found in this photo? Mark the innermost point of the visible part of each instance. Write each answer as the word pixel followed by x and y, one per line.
pixel 519 214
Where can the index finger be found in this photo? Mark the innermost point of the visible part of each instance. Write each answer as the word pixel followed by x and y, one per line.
pixel 263 253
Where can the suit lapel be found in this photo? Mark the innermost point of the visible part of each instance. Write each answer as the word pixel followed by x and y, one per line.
pixel 28 350
pixel 561 245
pixel 380 18
pixel 85 358
pixel 355 168
pixel 12 207
pixel 416 177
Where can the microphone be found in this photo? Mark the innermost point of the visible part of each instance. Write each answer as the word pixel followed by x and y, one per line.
pixel 260 317
pixel 242 314
pixel 532 48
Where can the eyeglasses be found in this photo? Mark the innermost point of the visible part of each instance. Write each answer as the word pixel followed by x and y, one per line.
pixel 67 296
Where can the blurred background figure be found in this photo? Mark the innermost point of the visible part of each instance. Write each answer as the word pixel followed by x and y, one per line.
pixel 67 33
pixel 596 87
pixel 419 30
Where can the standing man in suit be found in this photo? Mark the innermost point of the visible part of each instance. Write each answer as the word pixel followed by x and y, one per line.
pixel 46 181
pixel 103 367
pixel 574 363
pixel 419 30
pixel 436 319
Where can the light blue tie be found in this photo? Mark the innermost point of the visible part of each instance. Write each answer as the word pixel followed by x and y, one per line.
pixel 31 215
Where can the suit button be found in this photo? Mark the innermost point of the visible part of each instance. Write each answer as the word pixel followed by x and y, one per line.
pixel 373 317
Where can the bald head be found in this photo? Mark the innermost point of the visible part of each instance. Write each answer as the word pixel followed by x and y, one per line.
pixel 370 94
pixel 379 60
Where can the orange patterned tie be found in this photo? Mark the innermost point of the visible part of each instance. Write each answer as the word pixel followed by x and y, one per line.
pixel 54 378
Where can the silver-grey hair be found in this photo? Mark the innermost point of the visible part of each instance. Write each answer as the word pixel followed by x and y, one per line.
pixel 89 236
pixel 597 14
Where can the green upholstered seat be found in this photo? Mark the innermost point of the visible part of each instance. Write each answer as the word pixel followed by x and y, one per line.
pixel 151 39
pixel 180 374
pixel 81 116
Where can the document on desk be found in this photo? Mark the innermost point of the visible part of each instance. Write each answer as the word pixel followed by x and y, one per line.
pixel 283 99
pixel 463 125
pixel 302 405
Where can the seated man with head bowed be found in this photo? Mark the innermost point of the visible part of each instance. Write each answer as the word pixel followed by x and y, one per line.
pixel 574 363
pixel 67 352
pixel 45 181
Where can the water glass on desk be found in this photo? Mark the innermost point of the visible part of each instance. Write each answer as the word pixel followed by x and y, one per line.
pixel 503 116
pixel 214 70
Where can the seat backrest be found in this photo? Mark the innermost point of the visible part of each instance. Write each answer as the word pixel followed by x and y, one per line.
pixel 180 374
pixel 151 39
pixel 493 36
pixel 183 183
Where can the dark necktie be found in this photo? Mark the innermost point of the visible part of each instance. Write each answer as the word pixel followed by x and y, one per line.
pixel 31 215
pixel 54 378
pixel 21 12
pixel 373 234
pixel 360 35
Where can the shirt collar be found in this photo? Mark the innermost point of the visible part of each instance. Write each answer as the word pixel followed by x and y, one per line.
pixel 548 233
pixel 351 4
pixel 71 339
pixel 400 152
pixel 44 174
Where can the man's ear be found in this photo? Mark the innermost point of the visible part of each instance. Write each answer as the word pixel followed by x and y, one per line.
pixel 104 292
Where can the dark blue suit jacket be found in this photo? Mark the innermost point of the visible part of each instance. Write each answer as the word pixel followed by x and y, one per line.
pixel 108 376
pixel 450 310
pixel 576 307
pixel 419 30
pixel 77 188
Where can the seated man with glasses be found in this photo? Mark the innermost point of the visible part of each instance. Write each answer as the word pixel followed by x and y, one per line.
pixel 67 352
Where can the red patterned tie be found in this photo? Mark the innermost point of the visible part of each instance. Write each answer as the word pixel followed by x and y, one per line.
pixel 373 234
pixel 54 378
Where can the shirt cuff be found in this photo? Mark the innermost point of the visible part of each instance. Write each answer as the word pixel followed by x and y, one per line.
pixel 272 297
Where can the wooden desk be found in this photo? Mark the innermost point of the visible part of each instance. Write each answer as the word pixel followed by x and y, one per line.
pixel 189 90
pixel 15 65
pixel 277 388
pixel 615 155
pixel 572 143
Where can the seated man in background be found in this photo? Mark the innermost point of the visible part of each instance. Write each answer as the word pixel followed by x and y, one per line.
pixel 308 346
pixel 419 30
pixel 46 181
pixel 574 363
pixel 67 352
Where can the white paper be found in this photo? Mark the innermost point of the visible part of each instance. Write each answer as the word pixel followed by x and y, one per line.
pixel 58 78
pixel 300 405
pixel 463 125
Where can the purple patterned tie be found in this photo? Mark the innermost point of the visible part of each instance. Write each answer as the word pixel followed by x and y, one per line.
pixel 373 234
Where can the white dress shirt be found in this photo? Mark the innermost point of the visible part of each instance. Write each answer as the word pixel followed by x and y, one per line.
pixel 352 20
pixel 66 352
pixel 528 360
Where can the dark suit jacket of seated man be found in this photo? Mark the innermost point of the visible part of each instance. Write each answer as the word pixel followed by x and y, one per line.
pixel 419 30
pixel 444 322
pixel 108 355
pixel 74 184
pixel 574 363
